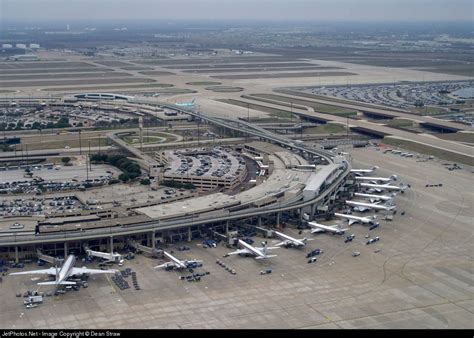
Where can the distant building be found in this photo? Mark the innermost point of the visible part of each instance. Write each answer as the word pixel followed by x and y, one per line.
pixel 26 57
pixel 102 96
pixel 34 46
pixel 20 45
pixel 8 52
pixel 7 45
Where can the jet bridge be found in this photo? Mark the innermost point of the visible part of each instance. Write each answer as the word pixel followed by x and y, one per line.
pixel 110 257
pixel 143 248
pixel 49 259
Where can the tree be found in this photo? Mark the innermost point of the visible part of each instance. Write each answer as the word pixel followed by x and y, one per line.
pixel 124 177
pixel 145 181
pixel 66 160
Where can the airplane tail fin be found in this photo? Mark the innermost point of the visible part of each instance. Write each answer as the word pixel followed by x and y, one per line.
pixel 375 167
pixel 264 247
pixel 394 177
pixel 56 283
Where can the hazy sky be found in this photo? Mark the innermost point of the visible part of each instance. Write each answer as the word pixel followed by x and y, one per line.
pixel 353 10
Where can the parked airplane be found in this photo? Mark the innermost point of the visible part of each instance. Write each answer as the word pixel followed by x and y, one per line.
pixel 259 253
pixel 358 219
pixel 176 263
pixel 374 198
pixel 290 241
pixel 109 257
pixel 66 271
pixel 186 104
pixel 334 229
pixel 361 206
pixel 381 187
pixel 377 179
pixel 359 172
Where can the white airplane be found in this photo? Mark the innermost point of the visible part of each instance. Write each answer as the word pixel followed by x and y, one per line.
pixel 109 257
pixel 374 198
pixel 358 219
pixel 186 104
pixel 377 179
pixel 66 271
pixel 361 206
pixel 290 241
pixel 176 263
pixel 381 187
pixel 259 253
pixel 359 172
pixel 334 229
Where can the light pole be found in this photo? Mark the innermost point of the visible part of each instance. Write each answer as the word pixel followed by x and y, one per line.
pixel 347 127
pixel 89 156
pixel 98 139
pixel 291 111
pixel 80 143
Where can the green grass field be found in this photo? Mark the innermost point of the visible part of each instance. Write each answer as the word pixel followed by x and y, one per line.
pixel 400 123
pixel 203 83
pixel 94 142
pixel 280 113
pixel 318 107
pixel 224 89
pixel 328 128
pixel 459 137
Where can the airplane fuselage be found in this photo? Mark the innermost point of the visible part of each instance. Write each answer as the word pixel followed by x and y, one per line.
pixel 65 270
pixel 293 241
pixel 381 186
pixel 328 228
pixel 377 197
pixel 368 178
pixel 370 205
pixel 179 264
pixel 255 251
pixel 355 218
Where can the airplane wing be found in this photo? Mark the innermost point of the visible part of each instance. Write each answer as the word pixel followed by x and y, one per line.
pixel 79 271
pixel 265 257
pixel 241 251
pixel 317 230
pixel 269 248
pixel 56 283
pixel 282 243
pixel 50 271
pixel 164 265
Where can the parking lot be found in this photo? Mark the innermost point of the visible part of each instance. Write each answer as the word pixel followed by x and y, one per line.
pixel 60 173
pixel 216 162
pixel 397 95
pixel 57 178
